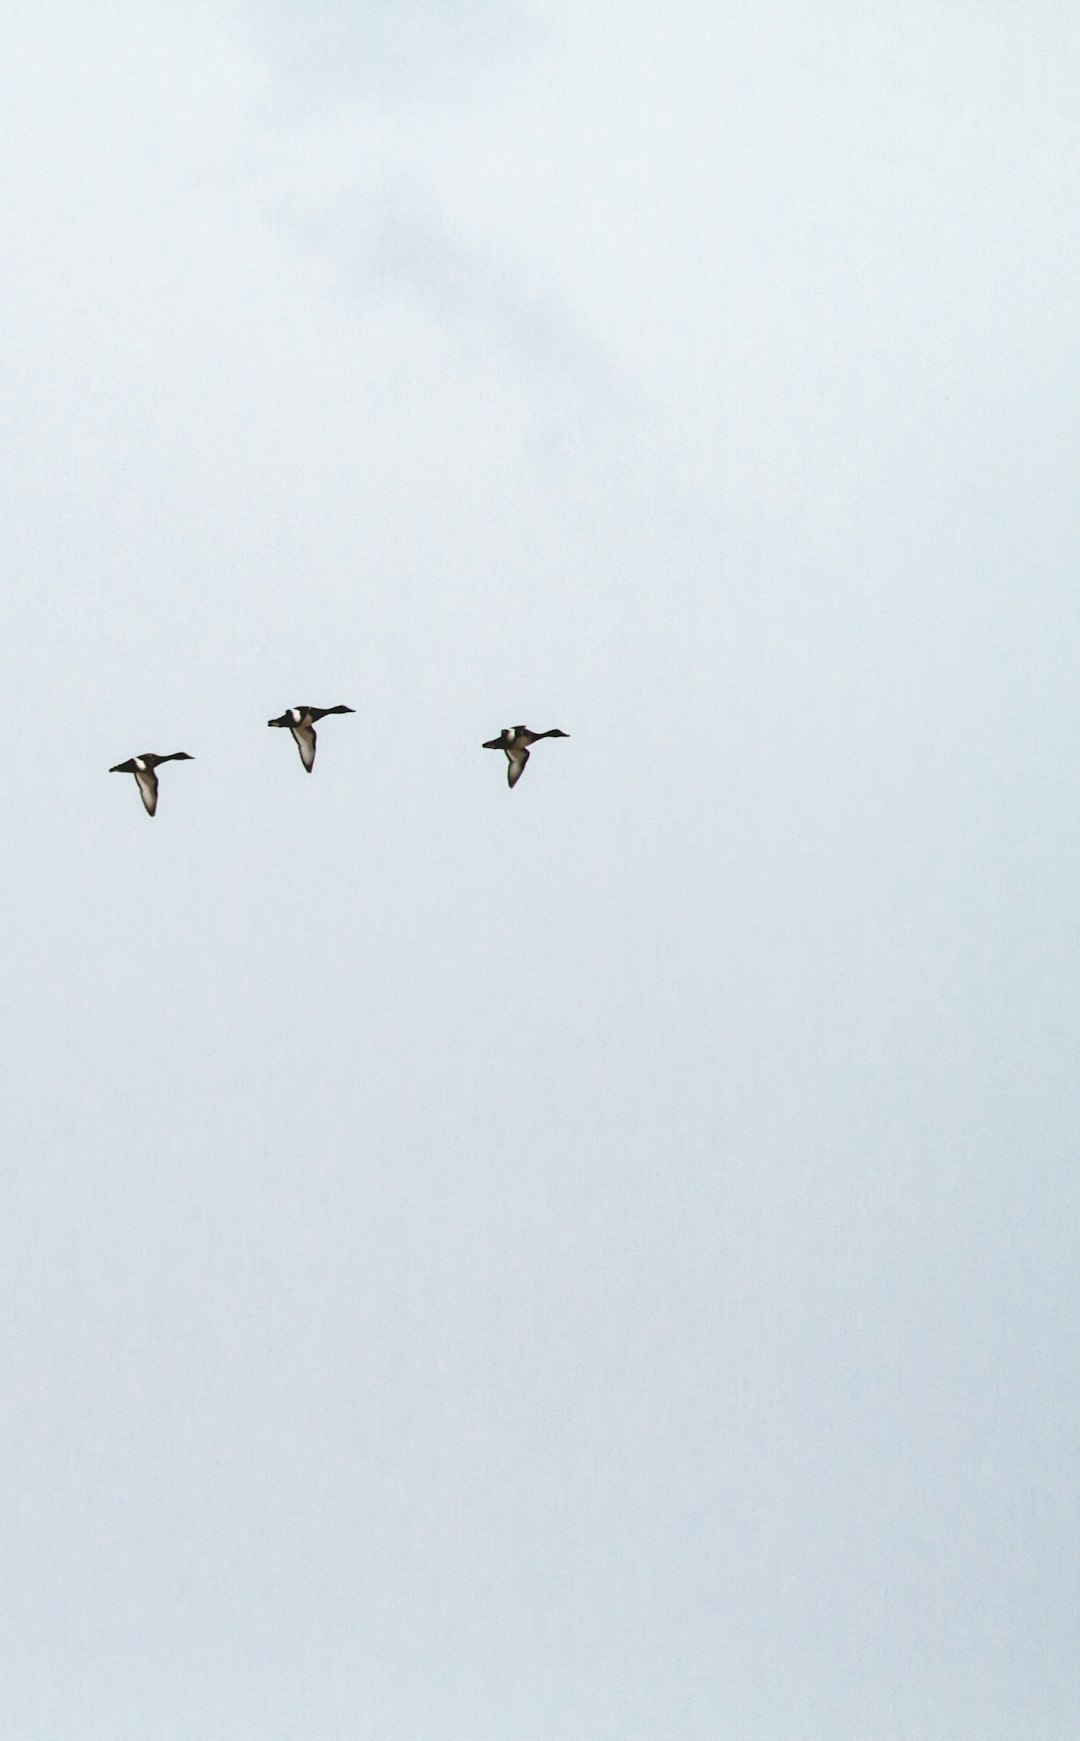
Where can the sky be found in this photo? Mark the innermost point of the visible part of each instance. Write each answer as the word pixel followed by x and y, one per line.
pixel 596 1262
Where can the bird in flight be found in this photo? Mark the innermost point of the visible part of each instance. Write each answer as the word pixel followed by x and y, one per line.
pixel 301 722
pixel 145 778
pixel 515 740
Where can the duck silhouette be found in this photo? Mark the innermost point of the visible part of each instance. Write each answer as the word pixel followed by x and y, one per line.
pixel 301 722
pixel 145 778
pixel 515 741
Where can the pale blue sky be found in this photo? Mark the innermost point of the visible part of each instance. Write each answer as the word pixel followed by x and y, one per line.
pixel 595 1263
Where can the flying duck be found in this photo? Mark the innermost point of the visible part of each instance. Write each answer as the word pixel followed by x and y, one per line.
pixel 301 722
pixel 515 740
pixel 145 778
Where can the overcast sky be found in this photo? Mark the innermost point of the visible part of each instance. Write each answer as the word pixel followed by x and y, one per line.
pixel 596 1262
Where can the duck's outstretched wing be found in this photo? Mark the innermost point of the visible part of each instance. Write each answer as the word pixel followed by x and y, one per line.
pixel 305 743
pixel 515 765
pixel 147 782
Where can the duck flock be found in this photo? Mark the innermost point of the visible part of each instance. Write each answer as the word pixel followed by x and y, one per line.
pixel 513 740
